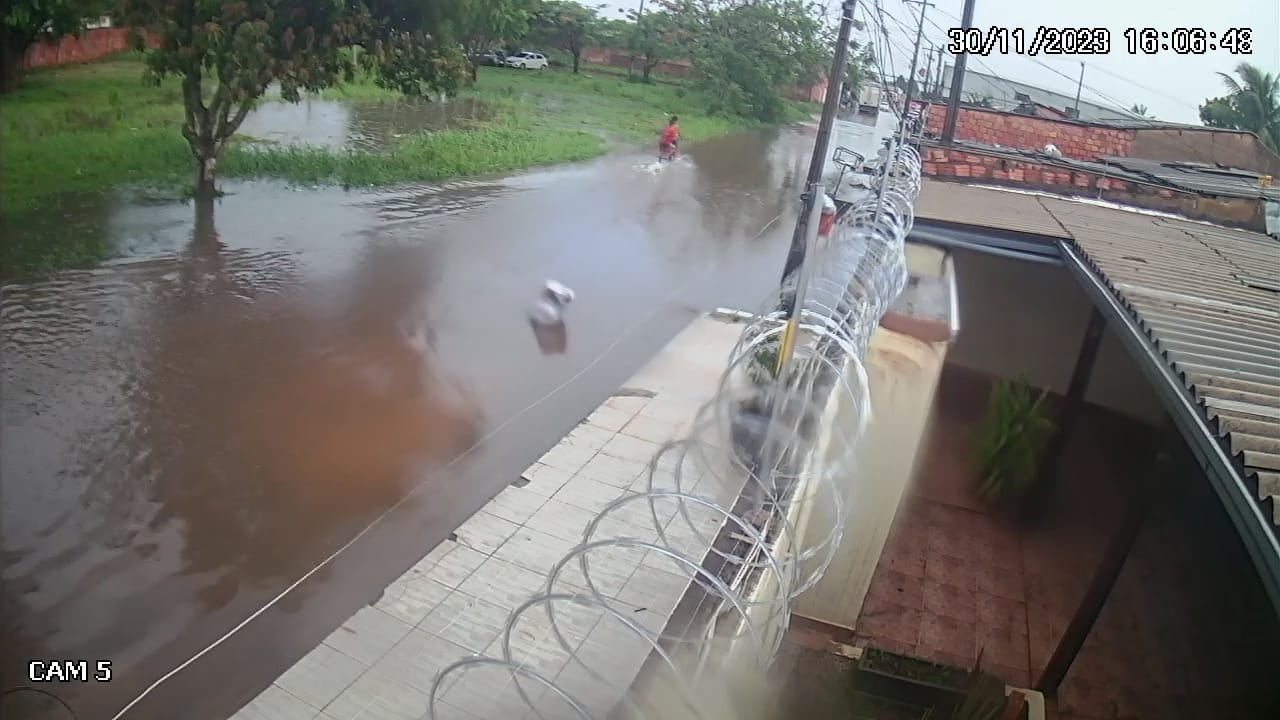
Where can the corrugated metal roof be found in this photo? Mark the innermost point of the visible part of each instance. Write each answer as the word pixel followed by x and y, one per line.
pixel 1207 297
pixel 1199 177
pixel 1003 92
pixel 1195 288
pixel 983 207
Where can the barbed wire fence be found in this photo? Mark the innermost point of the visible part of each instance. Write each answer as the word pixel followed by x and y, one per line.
pixel 679 594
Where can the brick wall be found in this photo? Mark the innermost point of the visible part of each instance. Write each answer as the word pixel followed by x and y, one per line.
pixel 91 45
pixel 621 59
pixel 1076 140
pixel 962 165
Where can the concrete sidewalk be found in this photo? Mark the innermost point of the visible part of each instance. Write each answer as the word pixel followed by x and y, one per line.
pixel 380 664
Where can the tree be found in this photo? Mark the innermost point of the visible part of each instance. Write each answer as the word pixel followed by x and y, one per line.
pixel 1139 109
pixel 653 38
pixel 1252 103
pixel 27 21
pixel 746 54
pixel 565 25
pixel 481 24
pixel 227 54
pixel 859 68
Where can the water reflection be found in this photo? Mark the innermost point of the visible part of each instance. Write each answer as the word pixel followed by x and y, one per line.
pixel 191 428
pixel 365 125
pixel 553 338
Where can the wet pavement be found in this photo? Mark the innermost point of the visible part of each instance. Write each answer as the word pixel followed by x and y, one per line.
pixel 190 429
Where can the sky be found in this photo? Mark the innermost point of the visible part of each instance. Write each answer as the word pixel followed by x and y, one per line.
pixel 1171 86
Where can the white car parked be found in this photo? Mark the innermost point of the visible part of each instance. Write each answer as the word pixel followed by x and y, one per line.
pixel 527 61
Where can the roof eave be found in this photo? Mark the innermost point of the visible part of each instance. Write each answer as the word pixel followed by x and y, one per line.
pixel 1255 529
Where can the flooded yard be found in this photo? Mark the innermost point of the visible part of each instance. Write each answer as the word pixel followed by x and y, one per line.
pixel 359 125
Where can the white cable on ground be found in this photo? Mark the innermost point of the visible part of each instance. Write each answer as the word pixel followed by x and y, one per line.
pixel 657 307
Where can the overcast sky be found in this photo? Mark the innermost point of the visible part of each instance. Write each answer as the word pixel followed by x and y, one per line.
pixel 1170 85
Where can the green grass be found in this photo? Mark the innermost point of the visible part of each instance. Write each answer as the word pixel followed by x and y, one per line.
pixel 84 129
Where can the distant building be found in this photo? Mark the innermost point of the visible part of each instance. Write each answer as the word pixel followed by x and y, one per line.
pixel 1004 96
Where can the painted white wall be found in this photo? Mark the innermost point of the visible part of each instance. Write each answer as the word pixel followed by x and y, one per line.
pixel 1020 317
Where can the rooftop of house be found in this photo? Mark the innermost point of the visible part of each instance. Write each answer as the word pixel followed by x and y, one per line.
pixel 1205 301
pixel 1199 178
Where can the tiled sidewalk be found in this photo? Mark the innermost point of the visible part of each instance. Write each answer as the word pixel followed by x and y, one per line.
pixel 380 664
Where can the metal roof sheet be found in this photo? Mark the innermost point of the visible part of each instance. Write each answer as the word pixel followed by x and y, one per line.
pixel 1199 177
pixel 983 207
pixel 1207 296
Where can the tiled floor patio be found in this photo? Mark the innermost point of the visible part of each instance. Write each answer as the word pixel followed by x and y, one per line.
pixel 380 664
pixel 955 582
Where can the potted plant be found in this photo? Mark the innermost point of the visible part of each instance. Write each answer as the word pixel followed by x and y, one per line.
pixel 1010 442
pixel 909 679
pixel 763 366
pixel 961 694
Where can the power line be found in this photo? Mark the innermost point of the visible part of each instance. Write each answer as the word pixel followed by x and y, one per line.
pixel 1151 90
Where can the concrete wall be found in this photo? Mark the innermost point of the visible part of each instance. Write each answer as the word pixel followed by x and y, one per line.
pixel 1080 141
pixel 1207 145
pixel 1019 317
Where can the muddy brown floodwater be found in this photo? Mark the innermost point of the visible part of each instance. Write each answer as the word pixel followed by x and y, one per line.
pixel 193 427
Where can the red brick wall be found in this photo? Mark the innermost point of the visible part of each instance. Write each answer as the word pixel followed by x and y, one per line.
pixel 966 166
pixel 91 45
pixel 622 58
pixel 1075 140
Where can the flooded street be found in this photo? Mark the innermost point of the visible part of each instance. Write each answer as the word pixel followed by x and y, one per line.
pixel 190 430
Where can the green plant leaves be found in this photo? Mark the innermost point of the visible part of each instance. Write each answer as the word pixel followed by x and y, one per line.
pixel 1010 441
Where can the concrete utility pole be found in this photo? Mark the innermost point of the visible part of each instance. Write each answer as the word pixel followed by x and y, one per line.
pixel 830 105
pixel 1078 87
pixel 957 79
pixel 915 60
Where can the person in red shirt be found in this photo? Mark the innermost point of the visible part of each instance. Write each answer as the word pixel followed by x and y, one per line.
pixel 670 140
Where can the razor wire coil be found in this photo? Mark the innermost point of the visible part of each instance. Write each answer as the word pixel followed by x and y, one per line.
pixel 718 508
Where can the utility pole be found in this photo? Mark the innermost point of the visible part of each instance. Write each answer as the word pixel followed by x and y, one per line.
pixel 818 162
pixel 1078 87
pixel 957 79
pixel 915 60
pixel 928 71
pixel 631 61
pixel 937 83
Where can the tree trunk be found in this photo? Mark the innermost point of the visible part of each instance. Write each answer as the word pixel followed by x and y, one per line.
pixel 206 152
pixel 576 57
pixel 13 50
pixel 648 68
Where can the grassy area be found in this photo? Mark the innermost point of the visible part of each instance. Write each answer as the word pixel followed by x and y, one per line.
pixel 89 128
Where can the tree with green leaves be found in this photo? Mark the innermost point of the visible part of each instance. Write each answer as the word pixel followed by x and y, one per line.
pixel 1252 103
pixel 565 25
pixel 24 22
pixel 482 24
pixel 653 37
pixel 226 55
pixel 747 54
pixel 859 68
